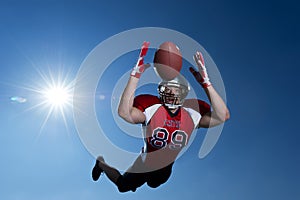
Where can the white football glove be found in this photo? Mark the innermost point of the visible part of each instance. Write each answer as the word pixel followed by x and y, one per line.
pixel 140 67
pixel 201 75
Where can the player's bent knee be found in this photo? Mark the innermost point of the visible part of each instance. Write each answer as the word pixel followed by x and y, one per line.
pixel 123 186
pixel 153 184
pixel 122 189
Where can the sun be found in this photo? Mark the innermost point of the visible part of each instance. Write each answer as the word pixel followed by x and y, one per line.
pixel 57 96
pixel 53 96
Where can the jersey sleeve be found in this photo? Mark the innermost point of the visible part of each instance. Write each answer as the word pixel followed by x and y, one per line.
pixel 198 105
pixel 144 101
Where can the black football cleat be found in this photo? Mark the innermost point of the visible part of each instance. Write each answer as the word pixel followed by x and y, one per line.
pixel 96 171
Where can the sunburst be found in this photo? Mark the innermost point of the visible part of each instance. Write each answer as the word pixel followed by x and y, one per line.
pixel 54 94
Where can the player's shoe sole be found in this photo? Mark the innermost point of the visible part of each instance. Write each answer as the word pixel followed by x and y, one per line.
pixel 96 171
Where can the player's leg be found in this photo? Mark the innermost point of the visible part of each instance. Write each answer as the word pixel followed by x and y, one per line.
pixel 101 166
pixel 133 177
pixel 158 177
pixel 130 181
pixel 126 182
pixel 96 172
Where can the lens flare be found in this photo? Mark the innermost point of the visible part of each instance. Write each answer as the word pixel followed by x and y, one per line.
pixel 18 99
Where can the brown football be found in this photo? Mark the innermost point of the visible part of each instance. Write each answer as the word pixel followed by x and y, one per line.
pixel 167 61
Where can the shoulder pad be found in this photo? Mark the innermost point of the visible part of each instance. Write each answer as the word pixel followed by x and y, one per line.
pixel 144 101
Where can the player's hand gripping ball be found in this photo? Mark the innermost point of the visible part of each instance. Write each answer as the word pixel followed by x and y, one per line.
pixel 167 61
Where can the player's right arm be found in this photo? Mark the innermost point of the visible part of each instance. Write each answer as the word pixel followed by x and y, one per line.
pixel 126 110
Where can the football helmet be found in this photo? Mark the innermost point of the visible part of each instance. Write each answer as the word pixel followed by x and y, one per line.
pixel 173 92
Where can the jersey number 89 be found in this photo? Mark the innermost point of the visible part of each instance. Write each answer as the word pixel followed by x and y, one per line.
pixel 160 138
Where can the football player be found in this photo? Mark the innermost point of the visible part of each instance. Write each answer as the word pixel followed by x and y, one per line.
pixel 168 122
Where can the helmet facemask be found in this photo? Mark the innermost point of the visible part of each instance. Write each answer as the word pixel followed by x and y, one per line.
pixel 172 93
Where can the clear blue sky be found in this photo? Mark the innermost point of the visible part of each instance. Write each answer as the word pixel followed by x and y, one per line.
pixel 255 45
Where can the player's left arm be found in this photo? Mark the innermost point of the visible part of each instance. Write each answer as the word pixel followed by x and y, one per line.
pixel 220 112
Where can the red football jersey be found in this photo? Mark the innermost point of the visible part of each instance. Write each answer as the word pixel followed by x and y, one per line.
pixel 165 131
